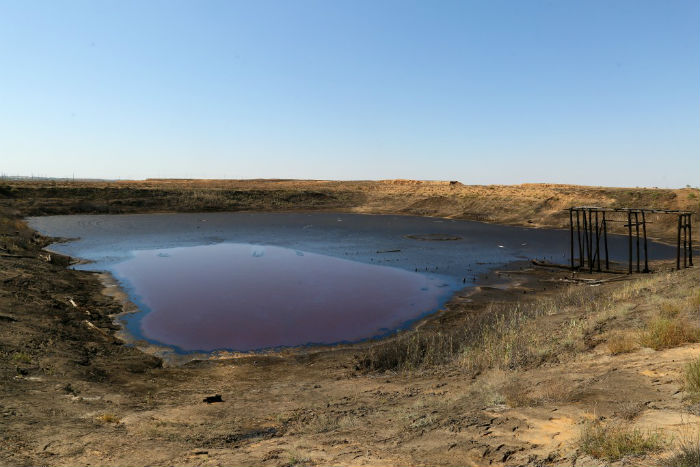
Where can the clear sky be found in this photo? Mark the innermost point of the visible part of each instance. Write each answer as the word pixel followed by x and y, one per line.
pixel 589 92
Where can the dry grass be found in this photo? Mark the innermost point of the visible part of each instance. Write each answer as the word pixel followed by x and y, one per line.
pixel 21 357
pixel 108 418
pixel 297 459
pixel 665 333
pixel 671 326
pixel 506 343
pixel 514 336
pixel 413 350
pixel 694 300
pixel 555 391
pixel 15 236
pixel 691 380
pixel 620 342
pixel 669 309
pixel 615 441
pixel 488 391
pixel 324 423
pixel 503 337
pixel 685 454
pixel 9 224
pixel 315 421
pixel 497 339
pixel 630 410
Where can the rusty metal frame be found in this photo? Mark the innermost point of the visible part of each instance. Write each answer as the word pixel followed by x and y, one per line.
pixel 595 225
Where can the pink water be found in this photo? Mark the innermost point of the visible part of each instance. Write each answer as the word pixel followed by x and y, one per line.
pixel 244 297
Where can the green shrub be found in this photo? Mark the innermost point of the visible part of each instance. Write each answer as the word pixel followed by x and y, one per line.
pixel 21 357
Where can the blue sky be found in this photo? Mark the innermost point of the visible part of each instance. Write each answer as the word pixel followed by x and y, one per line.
pixel 588 92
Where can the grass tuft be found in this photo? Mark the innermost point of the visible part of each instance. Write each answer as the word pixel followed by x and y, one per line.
pixel 622 342
pixel 296 459
pixel 108 418
pixel 630 410
pixel 664 333
pixel 615 441
pixel 691 379
pixel 686 454
pixel 517 394
pixel 669 309
pixel 21 357
pixel 323 423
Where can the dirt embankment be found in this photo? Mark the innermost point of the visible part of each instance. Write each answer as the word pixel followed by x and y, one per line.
pixel 536 205
pixel 546 372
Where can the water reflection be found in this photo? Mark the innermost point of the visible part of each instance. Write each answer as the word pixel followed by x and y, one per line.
pixel 245 297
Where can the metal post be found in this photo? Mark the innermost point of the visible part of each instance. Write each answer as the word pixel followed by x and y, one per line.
pixel 685 242
pixel 678 245
pixel 590 242
pixel 644 227
pixel 636 225
pixel 690 239
pixel 629 237
pixel 585 238
pixel 605 239
pixel 580 245
pixel 597 241
pixel 571 235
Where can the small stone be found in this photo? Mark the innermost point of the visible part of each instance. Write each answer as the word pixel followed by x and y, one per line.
pixel 212 399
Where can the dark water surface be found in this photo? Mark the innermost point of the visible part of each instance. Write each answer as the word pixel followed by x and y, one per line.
pixel 247 281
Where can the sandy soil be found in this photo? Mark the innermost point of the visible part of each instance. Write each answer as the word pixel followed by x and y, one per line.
pixel 73 394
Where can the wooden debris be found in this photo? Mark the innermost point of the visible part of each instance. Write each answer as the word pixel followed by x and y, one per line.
pixel 92 326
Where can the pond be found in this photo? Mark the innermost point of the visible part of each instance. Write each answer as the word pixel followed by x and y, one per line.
pixel 252 281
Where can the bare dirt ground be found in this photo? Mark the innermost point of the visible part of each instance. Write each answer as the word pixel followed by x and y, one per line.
pixel 541 372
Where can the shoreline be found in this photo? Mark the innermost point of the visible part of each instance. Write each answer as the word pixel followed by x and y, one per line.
pixel 525 205
pixel 172 357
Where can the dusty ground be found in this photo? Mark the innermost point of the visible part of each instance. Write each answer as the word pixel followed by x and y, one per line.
pixel 72 394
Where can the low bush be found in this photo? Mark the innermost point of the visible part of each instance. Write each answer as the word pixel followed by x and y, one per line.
pixel 108 418
pixel 691 379
pixel 669 309
pixel 555 391
pixel 615 441
pixel 21 357
pixel 665 333
pixel 686 454
pixel 622 342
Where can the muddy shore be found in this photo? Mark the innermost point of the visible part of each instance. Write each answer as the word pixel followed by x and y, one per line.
pixel 74 394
